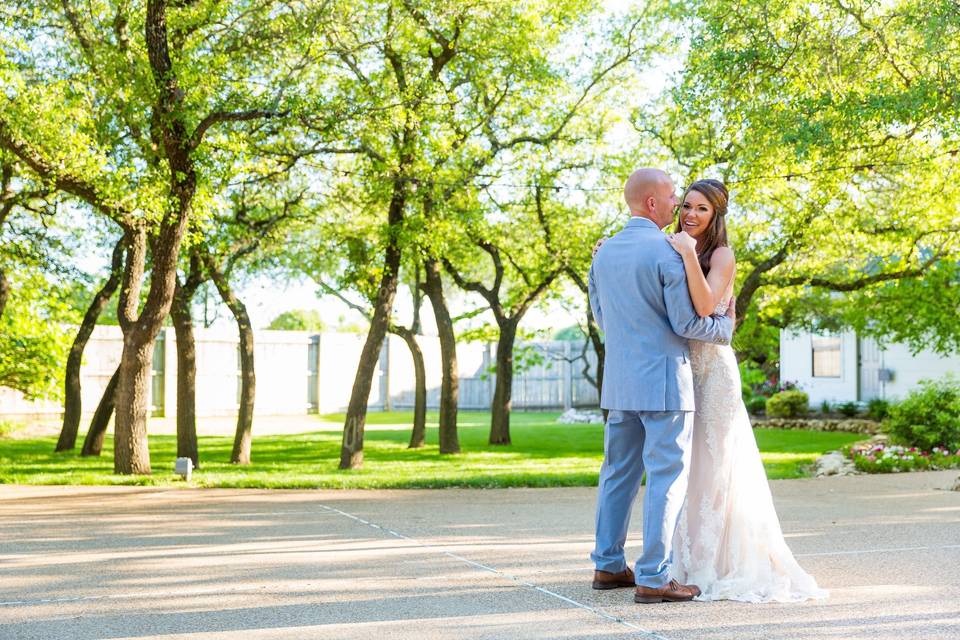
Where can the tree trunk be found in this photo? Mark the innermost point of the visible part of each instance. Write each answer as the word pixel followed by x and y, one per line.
pixel 351 448
pixel 419 434
pixel 131 452
pixel 594 331
pixel 503 391
pixel 754 281
pixel 450 381
pixel 248 385
pixel 186 377
pixel 4 212
pixel 73 407
pixel 248 378
pixel 93 443
pixel 4 291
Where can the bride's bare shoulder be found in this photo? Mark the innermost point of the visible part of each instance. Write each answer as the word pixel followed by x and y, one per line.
pixel 722 256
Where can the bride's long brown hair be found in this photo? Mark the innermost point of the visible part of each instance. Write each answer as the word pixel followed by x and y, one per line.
pixel 716 234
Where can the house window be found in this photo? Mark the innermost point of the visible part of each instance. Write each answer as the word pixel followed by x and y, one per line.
pixel 826 356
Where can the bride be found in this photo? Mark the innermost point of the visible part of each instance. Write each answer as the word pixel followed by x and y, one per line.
pixel 728 541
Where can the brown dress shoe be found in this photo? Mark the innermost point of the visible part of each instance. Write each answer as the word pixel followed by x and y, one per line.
pixel 673 591
pixel 606 580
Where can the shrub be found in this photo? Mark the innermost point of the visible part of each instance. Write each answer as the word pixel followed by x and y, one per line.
pixel 824 407
pixel 848 409
pixel 752 381
pixel 877 409
pixel 752 378
pixel 756 405
pixel 788 404
pixel 757 386
pixel 929 416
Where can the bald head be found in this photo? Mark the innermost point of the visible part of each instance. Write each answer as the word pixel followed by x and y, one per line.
pixel 642 184
pixel 649 193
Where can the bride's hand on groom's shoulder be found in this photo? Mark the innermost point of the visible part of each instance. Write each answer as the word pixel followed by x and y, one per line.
pixel 597 246
pixel 682 242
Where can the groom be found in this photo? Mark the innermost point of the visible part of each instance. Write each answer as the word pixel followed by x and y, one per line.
pixel 639 295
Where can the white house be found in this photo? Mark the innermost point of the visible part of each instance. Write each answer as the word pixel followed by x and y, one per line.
pixel 847 368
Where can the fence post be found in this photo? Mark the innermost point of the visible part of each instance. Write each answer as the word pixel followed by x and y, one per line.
pixel 385 373
pixel 158 366
pixel 491 373
pixel 313 374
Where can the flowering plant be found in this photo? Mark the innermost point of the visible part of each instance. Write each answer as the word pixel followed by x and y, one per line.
pixel 757 386
pixel 886 458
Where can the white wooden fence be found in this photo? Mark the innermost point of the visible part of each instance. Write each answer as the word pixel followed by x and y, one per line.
pixel 301 372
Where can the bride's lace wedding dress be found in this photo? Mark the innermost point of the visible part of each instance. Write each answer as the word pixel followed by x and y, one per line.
pixel 728 540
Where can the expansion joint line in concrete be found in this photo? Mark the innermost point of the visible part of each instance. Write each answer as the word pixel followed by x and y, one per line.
pixel 520 581
pixel 134 596
pixel 857 552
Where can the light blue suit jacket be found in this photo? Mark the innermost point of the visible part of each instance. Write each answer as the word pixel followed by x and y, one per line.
pixel 639 295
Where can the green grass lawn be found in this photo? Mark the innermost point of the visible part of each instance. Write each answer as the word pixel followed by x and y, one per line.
pixel 543 454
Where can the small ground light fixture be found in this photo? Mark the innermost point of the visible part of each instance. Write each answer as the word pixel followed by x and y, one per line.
pixel 183 468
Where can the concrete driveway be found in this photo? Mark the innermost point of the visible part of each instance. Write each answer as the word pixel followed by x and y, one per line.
pixel 102 562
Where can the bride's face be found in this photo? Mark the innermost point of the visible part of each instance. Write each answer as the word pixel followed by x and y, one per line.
pixel 696 214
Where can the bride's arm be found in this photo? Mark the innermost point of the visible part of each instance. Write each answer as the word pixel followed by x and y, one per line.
pixel 706 292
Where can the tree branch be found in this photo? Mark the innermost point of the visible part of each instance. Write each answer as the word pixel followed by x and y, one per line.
pixel 62 180
pixel 858 16
pixel 497 265
pixel 366 313
pixel 463 283
pixel 447 45
pixel 857 284
pixel 227 116
pixel 78 31
pixel 552 136
pixel 577 279
pixel 523 272
pixel 135 239
pixel 524 306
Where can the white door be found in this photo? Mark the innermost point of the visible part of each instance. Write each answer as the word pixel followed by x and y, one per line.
pixel 869 363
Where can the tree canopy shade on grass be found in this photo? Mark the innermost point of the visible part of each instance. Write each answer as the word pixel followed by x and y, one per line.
pixel 543 453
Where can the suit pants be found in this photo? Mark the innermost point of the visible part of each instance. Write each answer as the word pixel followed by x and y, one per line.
pixel 635 442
